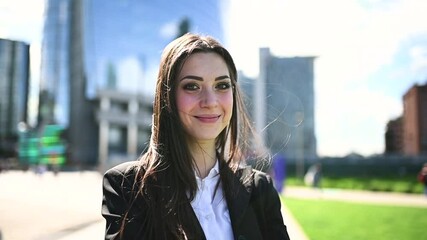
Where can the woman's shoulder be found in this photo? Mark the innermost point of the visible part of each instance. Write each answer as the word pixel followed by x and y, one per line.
pixel 125 169
pixel 255 176
pixel 258 184
pixel 122 178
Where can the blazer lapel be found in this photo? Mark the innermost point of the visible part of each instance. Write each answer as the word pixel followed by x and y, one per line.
pixel 197 229
pixel 238 194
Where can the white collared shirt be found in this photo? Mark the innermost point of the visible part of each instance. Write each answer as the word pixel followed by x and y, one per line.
pixel 211 208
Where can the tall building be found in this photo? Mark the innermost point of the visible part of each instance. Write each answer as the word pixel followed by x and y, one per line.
pixel 82 134
pixel 54 80
pixel 14 89
pixel 63 80
pixel 415 120
pixel 284 105
pixel 247 85
pixel 394 136
pixel 90 46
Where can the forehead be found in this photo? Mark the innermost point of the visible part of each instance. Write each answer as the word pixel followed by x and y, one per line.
pixel 202 63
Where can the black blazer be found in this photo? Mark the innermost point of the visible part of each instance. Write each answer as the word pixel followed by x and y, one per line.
pixel 254 208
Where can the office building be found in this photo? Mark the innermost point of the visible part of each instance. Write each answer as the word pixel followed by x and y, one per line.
pixel 284 105
pixel 54 77
pixel 415 121
pixel 14 89
pixel 394 136
pixel 247 86
pixel 123 126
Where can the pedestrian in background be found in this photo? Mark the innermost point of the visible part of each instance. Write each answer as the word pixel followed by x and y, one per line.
pixel 279 172
pixel 193 182
pixel 422 177
pixel 313 177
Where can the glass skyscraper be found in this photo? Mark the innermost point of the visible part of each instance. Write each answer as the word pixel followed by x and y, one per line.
pixel 54 79
pixel 14 88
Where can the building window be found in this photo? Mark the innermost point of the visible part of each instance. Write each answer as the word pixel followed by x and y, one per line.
pixel 117 140
pixel 118 107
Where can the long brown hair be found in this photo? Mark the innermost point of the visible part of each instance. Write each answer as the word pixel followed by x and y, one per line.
pixel 166 179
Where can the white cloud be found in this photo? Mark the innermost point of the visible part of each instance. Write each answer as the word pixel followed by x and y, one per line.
pixel 169 30
pixel 27 19
pixel 418 56
pixel 130 75
pixel 355 120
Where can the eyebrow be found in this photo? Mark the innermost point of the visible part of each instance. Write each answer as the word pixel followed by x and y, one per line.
pixel 201 79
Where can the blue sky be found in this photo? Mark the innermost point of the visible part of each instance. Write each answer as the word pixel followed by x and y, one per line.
pixel 368 55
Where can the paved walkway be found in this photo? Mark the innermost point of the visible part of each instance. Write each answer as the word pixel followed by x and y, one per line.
pixel 67 206
pixel 48 206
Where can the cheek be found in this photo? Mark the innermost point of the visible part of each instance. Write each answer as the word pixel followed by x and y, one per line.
pixel 227 103
pixel 184 103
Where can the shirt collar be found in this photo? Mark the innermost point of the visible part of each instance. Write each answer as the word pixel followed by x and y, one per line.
pixel 212 173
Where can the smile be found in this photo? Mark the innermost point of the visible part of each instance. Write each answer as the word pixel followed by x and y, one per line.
pixel 207 118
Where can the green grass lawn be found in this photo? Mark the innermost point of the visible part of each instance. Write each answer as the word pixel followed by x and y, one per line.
pixel 326 219
pixel 403 185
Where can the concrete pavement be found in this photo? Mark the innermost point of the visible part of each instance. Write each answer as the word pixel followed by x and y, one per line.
pixel 48 207
pixel 93 231
pixel 68 206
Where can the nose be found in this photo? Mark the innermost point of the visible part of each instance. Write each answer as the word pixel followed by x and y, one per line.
pixel 208 98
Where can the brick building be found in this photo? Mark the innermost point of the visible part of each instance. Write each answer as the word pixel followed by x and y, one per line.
pixel 415 120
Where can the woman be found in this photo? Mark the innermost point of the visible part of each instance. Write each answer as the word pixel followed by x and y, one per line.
pixel 192 182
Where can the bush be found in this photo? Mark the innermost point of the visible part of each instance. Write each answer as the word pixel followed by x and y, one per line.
pixel 402 185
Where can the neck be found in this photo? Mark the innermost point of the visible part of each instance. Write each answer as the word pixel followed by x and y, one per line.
pixel 204 155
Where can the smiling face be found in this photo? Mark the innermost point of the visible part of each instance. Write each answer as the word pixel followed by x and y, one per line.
pixel 204 96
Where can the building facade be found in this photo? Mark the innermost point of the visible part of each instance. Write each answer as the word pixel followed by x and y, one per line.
pixel 284 105
pixel 415 120
pixel 14 89
pixel 394 137
pixel 54 79
pixel 124 122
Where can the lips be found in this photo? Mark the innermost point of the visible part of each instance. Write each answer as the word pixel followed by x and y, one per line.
pixel 210 118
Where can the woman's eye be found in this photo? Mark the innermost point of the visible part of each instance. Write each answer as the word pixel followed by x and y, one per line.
pixel 223 85
pixel 191 86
